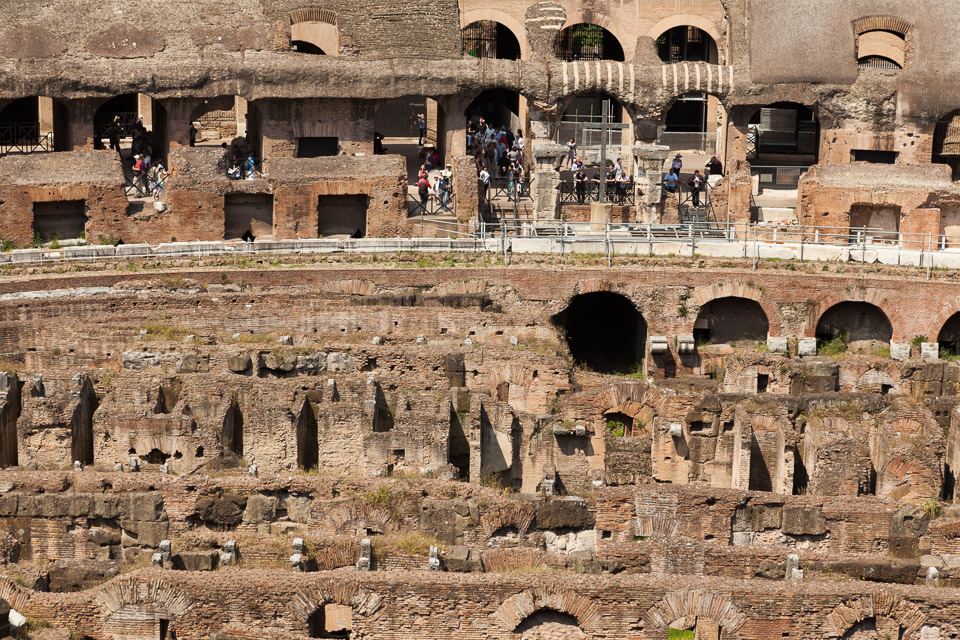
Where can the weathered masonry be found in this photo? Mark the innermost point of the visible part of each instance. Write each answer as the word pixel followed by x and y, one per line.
pixel 859 131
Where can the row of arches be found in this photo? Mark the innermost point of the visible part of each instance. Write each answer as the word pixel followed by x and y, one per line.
pixel 588 41
pixel 532 614
pixel 606 332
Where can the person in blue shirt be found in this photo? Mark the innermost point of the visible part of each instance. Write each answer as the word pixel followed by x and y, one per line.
pixel 670 182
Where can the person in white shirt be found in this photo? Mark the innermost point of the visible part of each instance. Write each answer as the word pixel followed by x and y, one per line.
pixel 484 178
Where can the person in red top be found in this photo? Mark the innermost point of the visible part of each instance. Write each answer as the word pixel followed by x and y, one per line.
pixel 139 171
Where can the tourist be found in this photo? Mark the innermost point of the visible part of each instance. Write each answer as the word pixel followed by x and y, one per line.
pixel 677 164
pixel 113 133
pixel 577 164
pixel 515 174
pixel 250 168
pixel 378 149
pixel 139 174
pixel 192 133
pixel 157 176
pixel 696 184
pixel 580 184
pixel 670 182
pixel 234 172
pixel 445 185
pixel 423 188
pixel 518 142
pixel 714 166
pixel 422 126
pixel 484 178
pixel 572 153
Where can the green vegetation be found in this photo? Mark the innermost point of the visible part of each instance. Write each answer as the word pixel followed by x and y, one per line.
pixel 835 346
pixel 616 428
pixel 163 331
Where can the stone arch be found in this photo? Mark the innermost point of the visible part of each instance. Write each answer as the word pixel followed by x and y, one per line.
pixel 639 401
pixel 521 606
pixel 604 330
pixel 817 308
pixel 317 27
pixel 951 307
pixel 704 604
pixel 496 15
pixel 516 515
pixel 308 602
pixel 155 592
pixel 846 614
pixel 349 519
pixel 703 295
pixel 614 27
pixel 689 19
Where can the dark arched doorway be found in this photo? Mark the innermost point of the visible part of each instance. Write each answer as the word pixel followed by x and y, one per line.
pixel 588 42
pixel 687 44
pixel 949 336
pixel 731 319
pixel 853 325
pixel 604 331
pixel 489 39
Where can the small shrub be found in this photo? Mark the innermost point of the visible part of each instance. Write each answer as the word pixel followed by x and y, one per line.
pixel 834 346
pixel 616 428
pixel 931 508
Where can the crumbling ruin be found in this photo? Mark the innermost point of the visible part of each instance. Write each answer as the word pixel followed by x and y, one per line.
pixel 282 430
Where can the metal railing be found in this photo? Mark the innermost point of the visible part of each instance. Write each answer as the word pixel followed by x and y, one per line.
pixel 142 186
pixel 778 177
pixel 705 143
pixel 852 239
pixel 500 188
pixel 727 240
pixel 618 193
pixel 432 206
pixel 24 138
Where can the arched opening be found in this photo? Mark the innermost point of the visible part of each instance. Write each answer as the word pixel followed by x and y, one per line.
pixel 314 31
pixel 302 46
pixel 548 624
pixel 852 325
pixel 693 628
pixel 218 120
pixel 308 444
pixel 691 124
pixel 231 437
pixel 946 142
pixel 35 124
pixel 881 49
pixel 604 331
pixel 498 108
pixel 490 39
pixel 949 336
pixel 687 44
pixel 732 319
pixel 588 42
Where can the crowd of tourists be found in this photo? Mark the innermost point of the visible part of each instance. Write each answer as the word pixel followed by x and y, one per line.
pixel 148 171
pixel 499 154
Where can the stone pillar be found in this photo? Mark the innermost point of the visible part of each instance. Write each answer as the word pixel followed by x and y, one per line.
pixel 465 188
pixel 452 127
pixel 545 184
pixel 648 180
pixel 45 115
pixel 737 168
pixel 240 111
pixel 178 121
pixel 145 109
pixel 80 113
